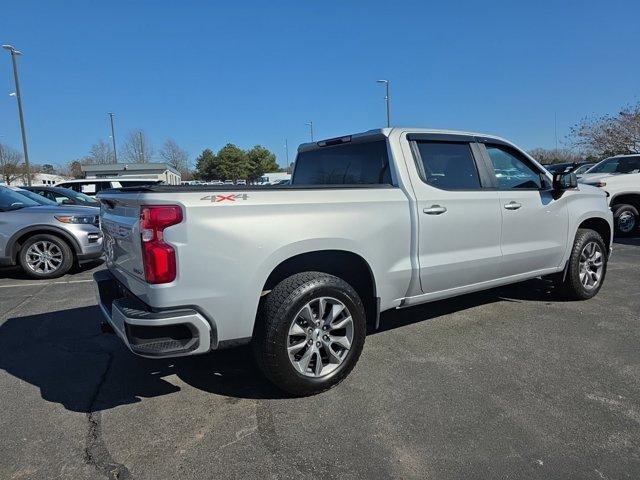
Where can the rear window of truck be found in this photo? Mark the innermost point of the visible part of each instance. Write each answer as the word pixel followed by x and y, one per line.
pixel 345 164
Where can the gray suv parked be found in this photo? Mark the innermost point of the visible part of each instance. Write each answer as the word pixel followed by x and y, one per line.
pixel 46 240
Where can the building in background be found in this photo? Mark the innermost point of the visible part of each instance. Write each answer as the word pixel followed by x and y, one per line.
pixel 151 171
pixel 39 179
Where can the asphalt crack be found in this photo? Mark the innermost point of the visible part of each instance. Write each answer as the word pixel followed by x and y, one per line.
pixel 5 315
pixel 96 452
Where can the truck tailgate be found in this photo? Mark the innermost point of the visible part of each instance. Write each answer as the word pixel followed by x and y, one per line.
pixel 119 221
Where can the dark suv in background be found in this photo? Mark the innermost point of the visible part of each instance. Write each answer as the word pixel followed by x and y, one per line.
pixel 64 196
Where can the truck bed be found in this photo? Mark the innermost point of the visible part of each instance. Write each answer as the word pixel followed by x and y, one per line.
pixel 236 188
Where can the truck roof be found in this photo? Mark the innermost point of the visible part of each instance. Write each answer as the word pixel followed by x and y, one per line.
pixel 378 132
pixel 629 155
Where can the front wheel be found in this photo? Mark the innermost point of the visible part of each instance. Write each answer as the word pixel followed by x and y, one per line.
pixel 45 256
pixel 626 219
pixel 587 266
pixel 311 333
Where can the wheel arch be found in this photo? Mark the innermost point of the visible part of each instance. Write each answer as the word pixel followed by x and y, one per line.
pixel 631 198
pixel 600 225
pixel 345 264
pixel 17 239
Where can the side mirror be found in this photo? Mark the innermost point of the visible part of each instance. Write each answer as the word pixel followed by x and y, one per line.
pixel 565 181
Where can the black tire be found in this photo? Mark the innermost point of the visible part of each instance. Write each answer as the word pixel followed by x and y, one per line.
pixel 280 310
pixel 626 219
pixel 572 286
pixel 66 253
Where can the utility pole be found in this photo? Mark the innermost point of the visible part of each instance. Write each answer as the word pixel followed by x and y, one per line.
pixel 14 54
pixel 555 128
pixel 387 100
pixel 310 124
pixel 113 138
pixel 141 147
pixel 286 151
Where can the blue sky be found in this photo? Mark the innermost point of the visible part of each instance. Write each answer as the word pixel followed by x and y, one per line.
pixel 207 73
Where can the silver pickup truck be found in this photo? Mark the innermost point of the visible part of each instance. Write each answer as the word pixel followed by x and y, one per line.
pixel 374 221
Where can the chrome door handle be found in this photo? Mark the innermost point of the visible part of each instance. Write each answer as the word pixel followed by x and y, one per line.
pixel 435 210
pixel 512 206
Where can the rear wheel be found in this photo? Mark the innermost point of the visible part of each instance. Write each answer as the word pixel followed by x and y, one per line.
pixel 626 219
pixel 587 266
pixel 311 333
pixel 45 256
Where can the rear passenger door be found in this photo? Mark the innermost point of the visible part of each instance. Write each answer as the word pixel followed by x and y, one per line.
pixel 458 217
pixel 534 220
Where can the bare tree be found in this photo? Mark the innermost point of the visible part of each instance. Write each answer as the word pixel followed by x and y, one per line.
pixel 175 156
pixel 11 167
pixel 100 153
pixel 609 134
pixel 73 169
pixel 136 148
pixel 560 155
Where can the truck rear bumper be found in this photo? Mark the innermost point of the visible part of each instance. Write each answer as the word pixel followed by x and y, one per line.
pixel 166 333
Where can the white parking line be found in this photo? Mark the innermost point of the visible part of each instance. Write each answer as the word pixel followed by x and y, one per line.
pixel 44 283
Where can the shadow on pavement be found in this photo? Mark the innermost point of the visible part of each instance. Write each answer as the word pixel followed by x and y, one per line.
pixel 64 354
pixel 17 273
pixel 635 241
pixel 537 290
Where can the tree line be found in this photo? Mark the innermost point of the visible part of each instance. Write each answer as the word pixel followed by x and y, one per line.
pixel 233 163
pixel 135 149
pixel 596 137
pixel 229 163
pixel 590 139
pixel 13 168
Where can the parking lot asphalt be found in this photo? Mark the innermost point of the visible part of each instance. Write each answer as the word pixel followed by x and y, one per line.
pixel 508 383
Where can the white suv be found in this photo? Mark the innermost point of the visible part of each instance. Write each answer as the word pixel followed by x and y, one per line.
pixel 91 186
pixel 619 176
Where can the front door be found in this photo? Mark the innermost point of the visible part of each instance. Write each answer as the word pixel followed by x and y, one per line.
pixel 534 223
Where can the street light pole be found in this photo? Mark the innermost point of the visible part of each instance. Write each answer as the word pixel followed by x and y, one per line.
pixel 311 128
pixel 286 151
pixel 387 100
pixel 113 138
pixel 141 147
pixel 14 54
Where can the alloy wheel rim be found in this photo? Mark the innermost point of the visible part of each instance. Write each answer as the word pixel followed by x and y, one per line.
pixel 320 337
pixel 626 222
pixel 591 265
pixel 44 257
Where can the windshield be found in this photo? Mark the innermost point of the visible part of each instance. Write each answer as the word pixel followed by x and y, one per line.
pixel 36 198
pixel 582 169
pixel 81 197
pixel 617 165
pixel 11 200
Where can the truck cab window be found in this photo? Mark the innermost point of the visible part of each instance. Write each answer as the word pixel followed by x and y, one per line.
pixel 449 166
pixel 511 170
pixel 345 164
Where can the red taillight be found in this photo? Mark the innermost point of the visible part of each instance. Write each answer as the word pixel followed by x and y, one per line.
pixel 159 258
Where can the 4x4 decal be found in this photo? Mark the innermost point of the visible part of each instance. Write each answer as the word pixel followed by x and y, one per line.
pixel 225 198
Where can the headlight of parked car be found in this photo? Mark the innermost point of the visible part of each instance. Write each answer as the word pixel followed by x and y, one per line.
pixel 82 219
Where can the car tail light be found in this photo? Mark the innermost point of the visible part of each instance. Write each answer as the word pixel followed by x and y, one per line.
pixel 159 258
